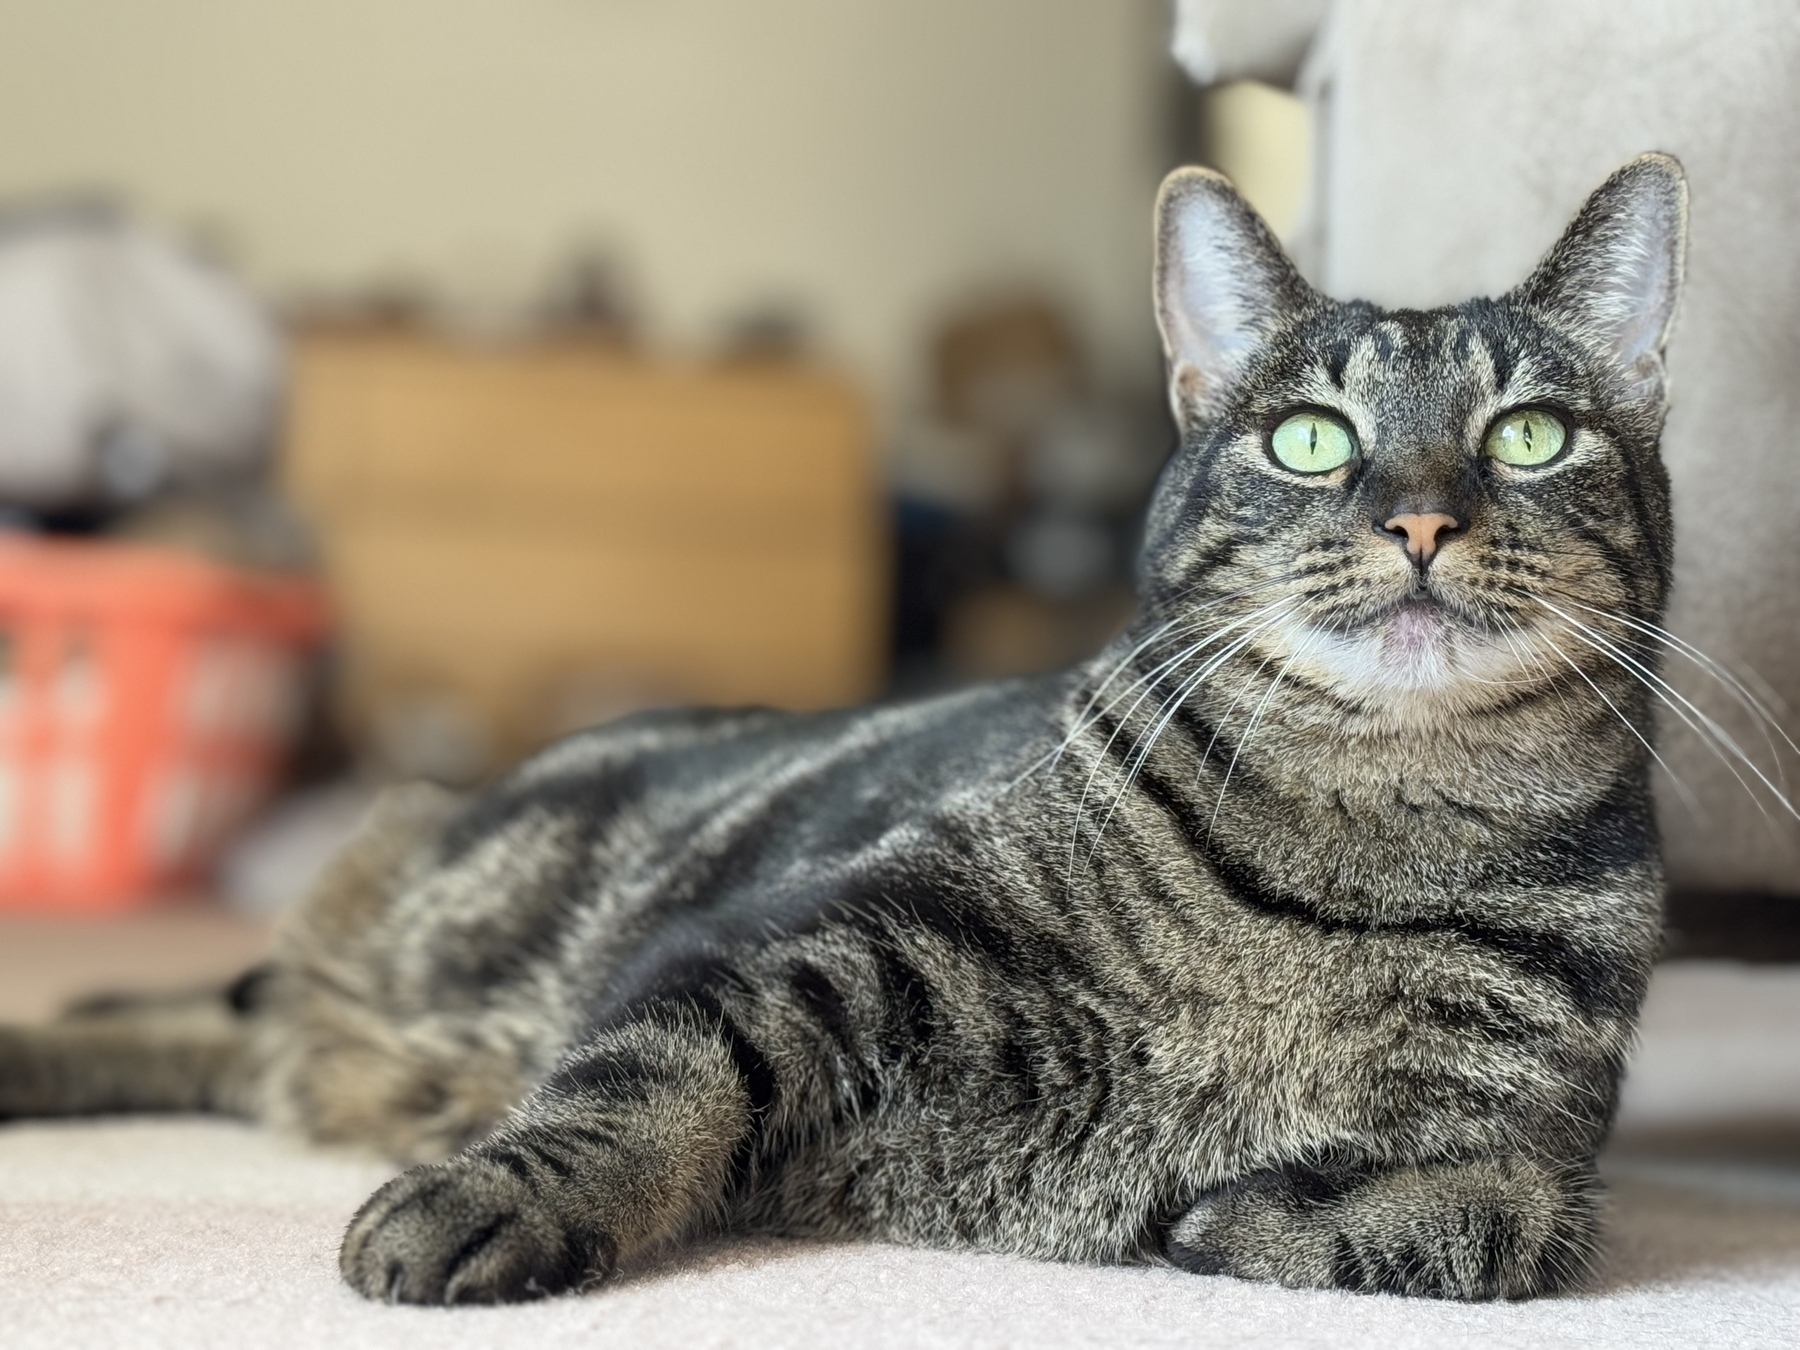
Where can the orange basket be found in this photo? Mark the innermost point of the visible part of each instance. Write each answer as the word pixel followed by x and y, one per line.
pixel 147 699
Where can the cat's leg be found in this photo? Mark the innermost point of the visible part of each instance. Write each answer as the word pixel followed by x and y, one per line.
pixel 210 1051
pixel 1502 1228
pixel 166 1053
pixel 631 1142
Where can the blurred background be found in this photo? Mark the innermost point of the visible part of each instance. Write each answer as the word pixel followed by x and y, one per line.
pixel 389 388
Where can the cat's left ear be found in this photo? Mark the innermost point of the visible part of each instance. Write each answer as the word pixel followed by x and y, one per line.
pixel 1615 275
pixel 1223 285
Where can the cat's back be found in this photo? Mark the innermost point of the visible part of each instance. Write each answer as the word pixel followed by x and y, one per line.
pixel 837 777
pixel 669 835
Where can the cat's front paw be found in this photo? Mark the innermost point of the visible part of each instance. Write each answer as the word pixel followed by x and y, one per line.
pixel 464 1232
pixel 1495 1228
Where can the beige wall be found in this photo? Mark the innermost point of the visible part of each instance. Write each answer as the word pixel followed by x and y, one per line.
pixel 868 158
pixel 1261 138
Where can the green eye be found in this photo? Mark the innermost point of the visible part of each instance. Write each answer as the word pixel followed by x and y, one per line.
pixel 1527 437
pixel 1312 443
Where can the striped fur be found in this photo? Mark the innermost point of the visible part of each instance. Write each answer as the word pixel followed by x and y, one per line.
pixel 1299 936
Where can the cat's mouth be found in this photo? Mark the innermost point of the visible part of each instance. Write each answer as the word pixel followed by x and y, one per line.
pixel 1413 640
pixel 1416 624
pixel 1419 642
pixel 1418 618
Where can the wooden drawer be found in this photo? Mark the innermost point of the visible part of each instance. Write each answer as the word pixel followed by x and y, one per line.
pixel 558 424
pixel 502 527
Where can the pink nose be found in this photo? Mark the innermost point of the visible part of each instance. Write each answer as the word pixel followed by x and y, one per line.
pixel 1421 531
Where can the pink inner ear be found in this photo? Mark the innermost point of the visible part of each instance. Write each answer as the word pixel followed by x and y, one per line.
pixel 1646 298
pixel 1222 284
pixel 1617 269
pixel 1191 386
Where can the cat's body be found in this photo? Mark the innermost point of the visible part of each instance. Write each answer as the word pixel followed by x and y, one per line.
pixel 1300 935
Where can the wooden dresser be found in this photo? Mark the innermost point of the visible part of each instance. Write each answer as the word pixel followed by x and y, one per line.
pixel 525 539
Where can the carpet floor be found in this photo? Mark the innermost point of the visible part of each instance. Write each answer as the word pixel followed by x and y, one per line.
pixel 199 1233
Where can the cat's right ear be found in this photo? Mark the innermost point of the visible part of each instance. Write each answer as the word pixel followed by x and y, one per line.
pixel 1614 278
pixel 1223 285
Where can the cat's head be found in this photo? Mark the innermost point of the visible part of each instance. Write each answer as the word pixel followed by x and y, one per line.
pixel 1418 507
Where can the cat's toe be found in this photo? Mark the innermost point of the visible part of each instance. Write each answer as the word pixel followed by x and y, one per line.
pixel 463 1232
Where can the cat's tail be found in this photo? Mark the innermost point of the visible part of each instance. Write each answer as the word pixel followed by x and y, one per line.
pixel 167 1052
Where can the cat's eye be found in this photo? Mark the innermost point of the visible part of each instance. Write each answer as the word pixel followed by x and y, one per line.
pixel 1312 442
pixel 1526 438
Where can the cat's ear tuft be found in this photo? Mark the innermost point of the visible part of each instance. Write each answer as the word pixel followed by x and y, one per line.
pixel 1615 275
pixel 1223 285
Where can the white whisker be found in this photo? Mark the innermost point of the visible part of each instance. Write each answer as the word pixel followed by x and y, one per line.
pixel 1765 720
pixel 1688 798
pixel 1311 641
pixel 1710 732
pixel 1172 629
pixel 1168 711
pixel 1124 721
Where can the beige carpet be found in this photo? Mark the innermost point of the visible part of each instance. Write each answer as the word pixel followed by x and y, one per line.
pixel 197 1233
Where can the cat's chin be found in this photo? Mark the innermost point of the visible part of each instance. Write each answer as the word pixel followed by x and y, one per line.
pixel 1419 650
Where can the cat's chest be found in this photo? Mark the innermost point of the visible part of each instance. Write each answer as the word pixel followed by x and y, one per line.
pixel 1372 849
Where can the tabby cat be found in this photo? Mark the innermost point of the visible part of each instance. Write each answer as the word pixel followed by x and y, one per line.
pixel 1299 936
